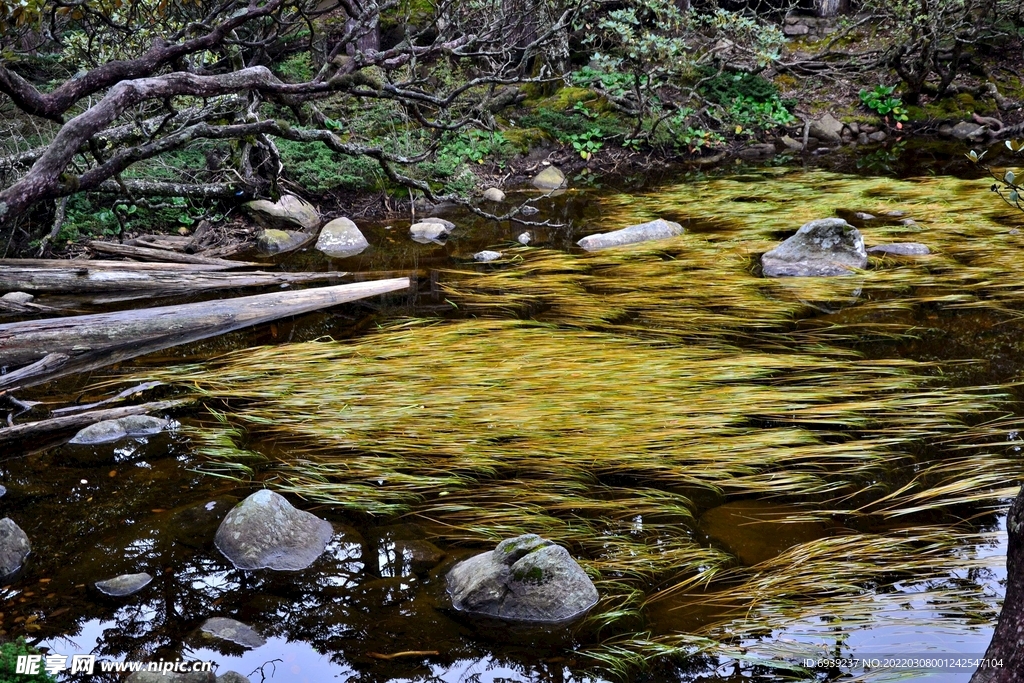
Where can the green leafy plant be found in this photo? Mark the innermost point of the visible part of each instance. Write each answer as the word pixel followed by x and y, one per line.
pixel 770 113
pixel 697 139
pixel 588 143
pixel 882 102
pixel 9 653
pixel 1006 185
pixel 477 145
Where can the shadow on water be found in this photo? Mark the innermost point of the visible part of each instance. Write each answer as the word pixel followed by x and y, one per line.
pixel 366 612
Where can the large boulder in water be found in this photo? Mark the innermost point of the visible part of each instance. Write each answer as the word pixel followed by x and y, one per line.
pixel 527 578
pixel 121 428
pixel 825 247
pixel 264 531
pixel 288 213
pixel 14 547
pixel 644 232
pixel 341 238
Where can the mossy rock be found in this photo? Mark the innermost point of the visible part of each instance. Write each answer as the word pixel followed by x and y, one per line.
pixel 566 98
pixel 525 139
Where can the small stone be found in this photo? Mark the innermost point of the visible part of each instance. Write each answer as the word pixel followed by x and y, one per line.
pixel 18 297
pixel 854 127
pixel 1014 231
pixel 3 491
pixel 266 531
pixel 123 585
pixel 895 214
pixel 863 216
pixel 965 130
pixel 908 221
pixel 524 239
pixel 288 213
pixel 439 221
pixel 945 130
pixel 862 138
pixel 493 194
pixel 901 249
pixel 281 241
pixel 485 256
pixel 658 229
pixel 551 178
pixel 121 428
pixel 878 136
pixel 429 231
pixel 234 631
pixel 792 144
pixel 796 30
pixel 828 129
pixel 341 238
pixel 757 151
pixel 14 547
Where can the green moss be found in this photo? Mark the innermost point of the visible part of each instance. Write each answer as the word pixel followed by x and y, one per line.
pixel 9 653
pixel 566 98
pixel 533 574
pixel 525 139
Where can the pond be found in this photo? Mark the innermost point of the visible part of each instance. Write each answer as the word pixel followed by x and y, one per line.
pixel 756 473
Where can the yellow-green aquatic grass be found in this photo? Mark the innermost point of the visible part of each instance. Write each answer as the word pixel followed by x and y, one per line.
pixel 651 383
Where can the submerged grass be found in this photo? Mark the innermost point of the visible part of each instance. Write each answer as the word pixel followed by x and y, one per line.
pixel 609 400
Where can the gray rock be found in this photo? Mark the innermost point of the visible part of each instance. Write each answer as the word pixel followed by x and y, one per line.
pixel 757 150
pixel 493 194
pixel 965 130
pixel 121 428
pixel 524 238
pixel 945 130
pixel 524 579
pixel 419 556
pixel 123 585
pixel 654 230
pixel 282 241
pixel 878 136
pixel 429 231
pixel 854 127
pixel 908 221
pixel 14 547
pixel 551 178
pixel 156 677
pixel 439 221
pixel 341 238
pixel 288 213
pixel 901 249
pixel 3 491
pixel 18 297
pixel 796 30
pixel 235 631
pixel 863 216
pixel 792 144
pixel 824 247
pixel 265 531
pixel 485 256
pixel 827 129
pixel 232 677
pixel 862 138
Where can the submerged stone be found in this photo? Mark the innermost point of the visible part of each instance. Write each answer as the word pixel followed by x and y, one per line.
pixel 901 249
pixel 431 230
pixel 820 248
pixel 234 631
pixel 526 579
pixel 524 238
pixel 14 547
pixel 419 556
pixel 123 585
pixel 265 531
pixel 644 232
pixel 485 256
pixel 551 178
pixel 493 194
pixel 281 241
pixel 121 428
pixel 341 238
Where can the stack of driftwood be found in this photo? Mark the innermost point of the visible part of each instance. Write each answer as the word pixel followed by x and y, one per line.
pixel 35 351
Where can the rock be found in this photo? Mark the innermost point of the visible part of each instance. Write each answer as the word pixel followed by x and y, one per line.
pixel 796 30
pixel 965 130
pixel 14 547
pixel 439 221
pixel 232 677
pixel 896 213
pixel 792 144
pixel 18 297
pixel 549 179
pixel 419 556
pixel 265 531
pixel 824 247
pixel 235 631
pixel 862 138
pixel 878 136
pixel 908 221
pixel 759 150
pixel 196 524
pixel 157 677
pixel 827 129
pixel 493 194
pixel 863 216
pixel 524 238
pixel 945 130
pixel 854 127
pixel 112 430
pixel 288 213
pixel 528 210
pixel 341 238
pixel 485 256
pixel 281 241
pixel 429 231
pixel 123 585
pixel 526 578
pixel 3 491
pixel 901 249
pixel 654 230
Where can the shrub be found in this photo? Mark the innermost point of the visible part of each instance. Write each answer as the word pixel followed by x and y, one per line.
pixel 9 653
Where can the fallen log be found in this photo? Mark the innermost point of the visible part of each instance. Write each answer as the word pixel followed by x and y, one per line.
pixel 148 254
pixel 32 430
pixel 82 279
pixel 102 264
pixel 102 339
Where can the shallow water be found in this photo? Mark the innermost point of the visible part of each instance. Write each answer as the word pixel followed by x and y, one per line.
pixel 93 513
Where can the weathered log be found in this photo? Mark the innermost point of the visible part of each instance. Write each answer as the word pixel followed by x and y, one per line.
pixel 95 341
pixel 101 264
pixel 148 254
pixel 85 280
pixel 47 365
pixel 1007 646
pixel 32 430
